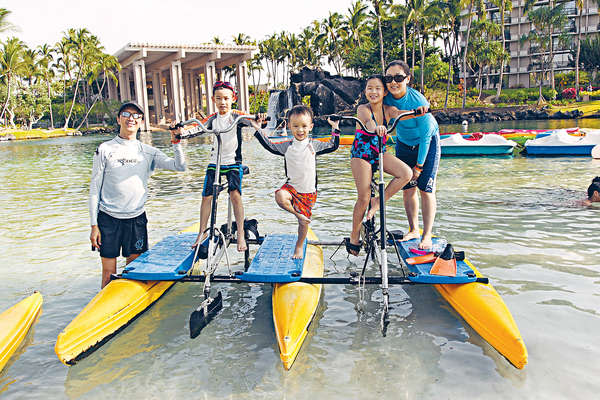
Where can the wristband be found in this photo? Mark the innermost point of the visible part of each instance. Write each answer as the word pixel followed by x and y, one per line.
pixel 420 169
pixel 335 132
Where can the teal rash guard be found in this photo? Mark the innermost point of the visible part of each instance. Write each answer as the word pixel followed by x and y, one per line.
pixel 414 131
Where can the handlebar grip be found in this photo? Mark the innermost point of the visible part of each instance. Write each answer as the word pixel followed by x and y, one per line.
pixel 176 126
pixel 335 117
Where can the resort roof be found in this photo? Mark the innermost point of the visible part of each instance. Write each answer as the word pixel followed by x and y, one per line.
pixel 158 56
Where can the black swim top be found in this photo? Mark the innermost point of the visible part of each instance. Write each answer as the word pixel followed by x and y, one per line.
pixel 373 115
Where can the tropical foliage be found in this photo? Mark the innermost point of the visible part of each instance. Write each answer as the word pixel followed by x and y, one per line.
pixel 35 81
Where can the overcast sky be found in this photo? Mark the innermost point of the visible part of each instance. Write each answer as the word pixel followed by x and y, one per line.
pixel 117 22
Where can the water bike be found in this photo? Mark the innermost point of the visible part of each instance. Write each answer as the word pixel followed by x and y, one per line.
pixel 297 283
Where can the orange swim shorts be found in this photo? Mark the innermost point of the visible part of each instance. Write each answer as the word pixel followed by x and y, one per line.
pixel 302 202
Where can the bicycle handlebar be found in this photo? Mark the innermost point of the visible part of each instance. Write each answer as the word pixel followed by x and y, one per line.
pixel 336 117
pixel 201 129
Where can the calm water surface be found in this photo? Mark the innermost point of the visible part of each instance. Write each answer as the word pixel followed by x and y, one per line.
pixel 516 218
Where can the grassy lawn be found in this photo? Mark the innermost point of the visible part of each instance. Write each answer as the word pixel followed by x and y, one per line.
pixel 588 107
pixel 37 133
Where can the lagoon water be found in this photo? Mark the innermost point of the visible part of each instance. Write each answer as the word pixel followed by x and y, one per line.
pixel 516 219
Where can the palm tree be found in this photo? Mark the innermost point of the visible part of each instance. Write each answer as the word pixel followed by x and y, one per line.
pixel 11 63
pixel 45 64
pixel 378 10
pixel 64 65
pixel 30 65
pixel 84 46
pixel 504 6
pixel 402 14
pixel 354 22
pixel 5 26
pixel 333 34
pixel 450 13
pixel 545 19
pixel 105 65
pixel 472 5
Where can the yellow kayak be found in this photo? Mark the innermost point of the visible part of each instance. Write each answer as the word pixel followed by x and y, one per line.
pixel 115 306
pixel 483 308
pixel 295 304
pixel 15 323
pixel 110 310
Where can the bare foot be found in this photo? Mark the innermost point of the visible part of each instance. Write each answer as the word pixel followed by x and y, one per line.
pixel 201 237
pixel 411 235
pixel 298 253
pixel 426 242
pixel 241 242
pixel 374 207
pixel 303 218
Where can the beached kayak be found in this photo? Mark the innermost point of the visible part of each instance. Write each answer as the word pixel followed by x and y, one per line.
pixel 15 323
pixel 295 304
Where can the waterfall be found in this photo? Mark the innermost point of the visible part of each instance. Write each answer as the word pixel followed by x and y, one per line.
pixel 273 109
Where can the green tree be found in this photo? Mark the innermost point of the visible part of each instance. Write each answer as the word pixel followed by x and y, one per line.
pixel 106 66
pixel 504 6
pixel 546 20
pixel 85 48
pixel 472 6
pixel 5 25
pixel 45 63
pixel 31 104
pixel 11 64
pixel 589 56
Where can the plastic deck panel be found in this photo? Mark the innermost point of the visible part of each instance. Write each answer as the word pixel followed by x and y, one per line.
pixel 169 260
pixel 273 262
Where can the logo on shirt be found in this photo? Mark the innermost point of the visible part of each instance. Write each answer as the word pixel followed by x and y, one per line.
pixel 124 161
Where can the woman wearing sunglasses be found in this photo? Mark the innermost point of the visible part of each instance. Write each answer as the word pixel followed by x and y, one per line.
pixel 418 145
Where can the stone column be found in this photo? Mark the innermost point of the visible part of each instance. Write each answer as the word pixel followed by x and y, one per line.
pixel 124 85
pixel 209 79
pixel 177 90
pixel 195 90
pixel 157 95
pixel 112 90
pixel 141 92
pixel 199 93
pixel 169 95
pixel 187 82
pixel 242 87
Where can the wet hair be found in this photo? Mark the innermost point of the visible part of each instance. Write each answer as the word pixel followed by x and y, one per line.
pixel 300 109
pixel 402 65
pixel 594 187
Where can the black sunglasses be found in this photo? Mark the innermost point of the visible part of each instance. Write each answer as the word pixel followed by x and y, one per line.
pixel 127 114
pixel 398 78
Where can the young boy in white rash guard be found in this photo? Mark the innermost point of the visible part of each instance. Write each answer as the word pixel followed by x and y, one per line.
pixel 299 194
pixel 119 190
pixel 231 161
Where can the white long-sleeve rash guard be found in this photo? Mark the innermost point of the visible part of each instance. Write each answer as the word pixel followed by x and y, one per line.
pixel 120 172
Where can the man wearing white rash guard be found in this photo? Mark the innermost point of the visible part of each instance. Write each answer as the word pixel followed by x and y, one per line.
pixel 119 190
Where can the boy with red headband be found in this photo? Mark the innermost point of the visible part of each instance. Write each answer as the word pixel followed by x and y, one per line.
pixel 231 160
